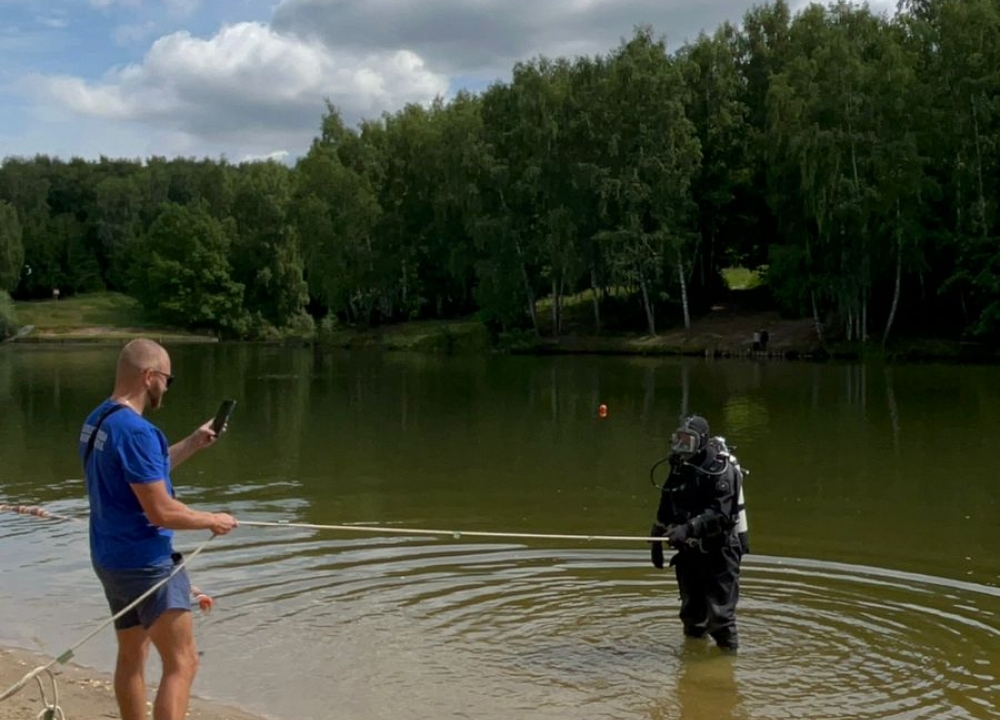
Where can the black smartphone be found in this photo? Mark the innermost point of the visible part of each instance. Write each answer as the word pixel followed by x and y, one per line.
pixel 222 417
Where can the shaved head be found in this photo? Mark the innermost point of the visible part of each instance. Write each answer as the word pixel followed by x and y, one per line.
pixel 143 375
pixel 139 355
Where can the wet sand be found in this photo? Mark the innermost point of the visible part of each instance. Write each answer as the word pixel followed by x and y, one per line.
pixel 83 693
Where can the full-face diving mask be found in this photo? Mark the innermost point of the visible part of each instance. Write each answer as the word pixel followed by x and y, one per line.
pixel 690 437
pixel 684 442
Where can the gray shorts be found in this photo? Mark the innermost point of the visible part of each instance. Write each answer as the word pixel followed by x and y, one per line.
pixel 122 587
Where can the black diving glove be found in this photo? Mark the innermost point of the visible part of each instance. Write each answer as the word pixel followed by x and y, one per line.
pixel 656 548
pixel 679 535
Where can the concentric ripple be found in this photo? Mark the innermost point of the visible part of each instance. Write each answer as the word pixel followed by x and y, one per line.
pixel 317 625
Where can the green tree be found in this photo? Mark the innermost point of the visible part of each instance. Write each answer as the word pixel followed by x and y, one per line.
pixel 11 248
pixel 584 131
pixel 117 221
pixel 447 261
pixel 26 187
pixel 182 274
pixel 762 51
pixel 652 154
pixel 336 211
pixel 823 126
pixel 265 257
pixel 8 316
pixel 718 110
pixel 503 229
pixel 961 51
pixel 899 167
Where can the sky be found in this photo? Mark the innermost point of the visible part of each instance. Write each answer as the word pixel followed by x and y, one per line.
pixel 248 79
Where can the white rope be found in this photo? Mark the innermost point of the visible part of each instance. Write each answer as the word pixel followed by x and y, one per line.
pixel 457 534
pixel 50 711
pixel 53 712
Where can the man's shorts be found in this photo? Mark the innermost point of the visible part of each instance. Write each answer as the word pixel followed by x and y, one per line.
pixel 122 587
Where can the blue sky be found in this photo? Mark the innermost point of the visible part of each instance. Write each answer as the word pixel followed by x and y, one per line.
pixel 248 78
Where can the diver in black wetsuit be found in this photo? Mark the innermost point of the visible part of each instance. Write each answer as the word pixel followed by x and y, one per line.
pixel 700 505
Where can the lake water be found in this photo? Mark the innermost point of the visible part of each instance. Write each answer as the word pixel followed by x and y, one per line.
pixel 871 591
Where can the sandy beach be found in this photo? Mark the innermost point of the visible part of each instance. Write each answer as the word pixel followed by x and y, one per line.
pixel 84 694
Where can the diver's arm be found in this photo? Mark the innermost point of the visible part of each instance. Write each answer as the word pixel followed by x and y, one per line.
pixel 665 510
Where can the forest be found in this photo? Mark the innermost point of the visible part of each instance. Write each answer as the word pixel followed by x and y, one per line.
pixel 852 159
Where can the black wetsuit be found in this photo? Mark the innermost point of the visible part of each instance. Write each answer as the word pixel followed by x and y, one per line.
pixel 702 493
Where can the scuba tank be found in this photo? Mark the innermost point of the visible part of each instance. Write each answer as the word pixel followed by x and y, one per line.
pixel 742 525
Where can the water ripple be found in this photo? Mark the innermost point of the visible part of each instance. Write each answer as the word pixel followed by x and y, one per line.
pixel 514 630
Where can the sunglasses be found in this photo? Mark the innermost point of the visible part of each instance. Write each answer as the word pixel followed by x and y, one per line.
pixel 168 376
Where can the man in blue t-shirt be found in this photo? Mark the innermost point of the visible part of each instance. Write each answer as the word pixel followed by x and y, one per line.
pixel 133 514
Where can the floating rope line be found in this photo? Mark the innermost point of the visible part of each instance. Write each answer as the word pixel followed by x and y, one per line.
pixel 36 511
pixel 53 712
pixel 457 534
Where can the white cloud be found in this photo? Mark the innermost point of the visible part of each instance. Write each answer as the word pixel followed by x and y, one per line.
pixel 247 82
pixel 487 37
pixel 276 156
pixel 57 131
pixel 254 91
pixel 484 38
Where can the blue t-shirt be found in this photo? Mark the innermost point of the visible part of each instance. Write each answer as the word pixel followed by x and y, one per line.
pixel 128 450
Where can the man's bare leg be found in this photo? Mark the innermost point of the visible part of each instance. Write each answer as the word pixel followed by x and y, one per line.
pixel 173 635
pixel 130 684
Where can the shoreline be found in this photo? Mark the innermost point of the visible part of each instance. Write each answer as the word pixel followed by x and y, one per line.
pixel 83 692
pixel 105 336
pixel 728 336
pixel 913 351
pixel 730 328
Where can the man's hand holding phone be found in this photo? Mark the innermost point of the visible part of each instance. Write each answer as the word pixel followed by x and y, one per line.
pixel 221 420
pixel 211 430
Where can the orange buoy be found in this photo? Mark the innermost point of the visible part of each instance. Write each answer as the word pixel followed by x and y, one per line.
pixel 602 410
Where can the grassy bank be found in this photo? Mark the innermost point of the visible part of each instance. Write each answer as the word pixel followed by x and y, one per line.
pixel 438 336
pixel 727 330
pixel 97 317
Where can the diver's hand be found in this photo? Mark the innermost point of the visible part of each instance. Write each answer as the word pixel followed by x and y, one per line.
pixel 679 535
